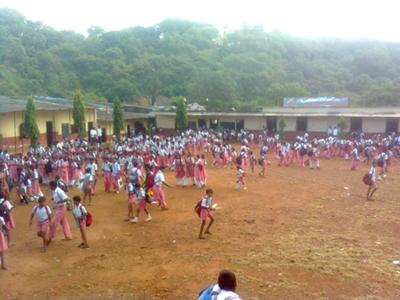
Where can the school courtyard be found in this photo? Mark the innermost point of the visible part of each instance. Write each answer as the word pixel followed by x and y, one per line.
pixel 295 234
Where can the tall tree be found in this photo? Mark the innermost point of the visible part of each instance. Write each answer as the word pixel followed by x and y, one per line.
pixel 118 117
pixel 181 121
pixel 78 113
pixel 31 129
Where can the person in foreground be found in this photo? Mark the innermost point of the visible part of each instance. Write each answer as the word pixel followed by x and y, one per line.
pixel 224 290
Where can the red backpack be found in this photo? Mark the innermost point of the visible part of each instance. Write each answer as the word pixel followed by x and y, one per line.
pixel 197 207
pixel 89 219
pixel 367 179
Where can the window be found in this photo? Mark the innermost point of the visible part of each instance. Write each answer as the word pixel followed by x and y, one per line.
pixel 301 124
pixel 228 125
pixel 392 125
pixel 214 123
pixel 355 124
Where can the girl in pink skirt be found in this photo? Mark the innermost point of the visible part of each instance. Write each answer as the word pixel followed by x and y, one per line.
pixel 35 182
pixel 80 214
pixel 240 183
pixel 205 207
pixel 3 243
pixel 130 188
pixel 6 206
pixel 141 203
pixel 42 212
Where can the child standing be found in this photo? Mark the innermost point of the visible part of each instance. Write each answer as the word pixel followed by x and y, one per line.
pixel 80 214
pixel 130 189
pixel 205 212
pixel 141 204
pixel 240 178
pixel 3 243
pixel 87 185
pixel 372 181
pixel 43 219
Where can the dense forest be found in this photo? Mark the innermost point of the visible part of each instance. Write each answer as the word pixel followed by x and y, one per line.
pixel 244 69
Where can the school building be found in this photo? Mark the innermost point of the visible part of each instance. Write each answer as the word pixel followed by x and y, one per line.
pixel 54 119
pixel 298 120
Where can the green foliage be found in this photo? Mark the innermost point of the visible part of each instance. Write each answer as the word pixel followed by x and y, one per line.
pixel 30 127
pixel 181 121
pixel 118 117
pixel 78 113
pixel 241 69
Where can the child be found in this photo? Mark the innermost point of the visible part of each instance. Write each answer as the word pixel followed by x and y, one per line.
pixel 240 178
pixel 43 219
pixel 253 161
pixel 261 162
pixel 5 213
pixel 80 213
pixel 87 185
pixel 205 212
pixel 225 289
pixel 158 192
pixel 60 199
pixel 372 181
pixel 141 204
pixel 3 243
pixel 131 188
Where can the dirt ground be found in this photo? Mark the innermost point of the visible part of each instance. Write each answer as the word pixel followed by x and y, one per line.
pixel 295 234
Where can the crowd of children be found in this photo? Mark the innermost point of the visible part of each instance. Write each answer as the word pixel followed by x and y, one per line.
pixel 137 164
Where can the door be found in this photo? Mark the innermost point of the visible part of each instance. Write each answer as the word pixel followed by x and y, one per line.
pixel 392 125
pixel 104 135
pixel 202 123
pixel 355 124
pixel 128 130
pixel 49 133
pixel 65 130
pixel 271 124
pixel 239 125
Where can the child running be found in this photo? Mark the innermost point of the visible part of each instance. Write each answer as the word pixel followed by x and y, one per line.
pixel 240 178
pixel 42 212
pixel 80 214
pixel 372 181
pixel 141 204
pixel 205 212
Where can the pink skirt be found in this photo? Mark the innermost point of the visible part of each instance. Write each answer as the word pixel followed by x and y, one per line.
pixel 3 242
pixel 142 204
pixel 42 226
pixel 10 224
pixel 131 198
pixel 204 214
pixel 35 187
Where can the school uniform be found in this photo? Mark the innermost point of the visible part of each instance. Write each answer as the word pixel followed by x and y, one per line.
pixel 158 192
pixel 42 218
pixel 130 188
pixel 80 212
pixel 10 224
pixel 372 174
pixel 3 240
pixel 60 199
pixel 205 207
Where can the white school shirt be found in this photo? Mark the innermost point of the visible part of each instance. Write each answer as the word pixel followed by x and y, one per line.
pixel 222 294
pixel 206 202
pixel 115 169
pixel 2 222
pixel 41 213
pixel 59 196
pixel 78 210
pixel 6 203
pixel 372 173
pixel 159 178
pixel 93 168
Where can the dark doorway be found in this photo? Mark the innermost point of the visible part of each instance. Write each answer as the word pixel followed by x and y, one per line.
pixel 392 125
pixel 128 130
pixel 214 123
pixel 271 124
pixel 49 133
pixel 355 124
pixel 228 125
pixel 239 125
pixel 139 127
pixel 202 123
pixel 192 125
pixel 65 130
pixel 104 135
pixel 301 124
pixel 90 126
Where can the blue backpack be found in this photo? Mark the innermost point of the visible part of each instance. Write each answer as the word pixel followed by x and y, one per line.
pixel 208 293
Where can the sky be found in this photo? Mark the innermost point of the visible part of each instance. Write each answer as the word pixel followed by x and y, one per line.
pixel 348 19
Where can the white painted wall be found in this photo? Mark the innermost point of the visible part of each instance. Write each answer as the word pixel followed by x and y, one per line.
pixel 374 125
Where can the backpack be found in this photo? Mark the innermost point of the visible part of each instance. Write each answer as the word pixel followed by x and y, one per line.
pixel 197 207
pixel 89 217
pixel 4 213
pixel 239 160
pixel 367 179
pixel 208 293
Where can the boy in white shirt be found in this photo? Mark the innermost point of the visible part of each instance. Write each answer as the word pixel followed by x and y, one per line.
pixel 43 219
pixel 224 290
pixel 80 214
